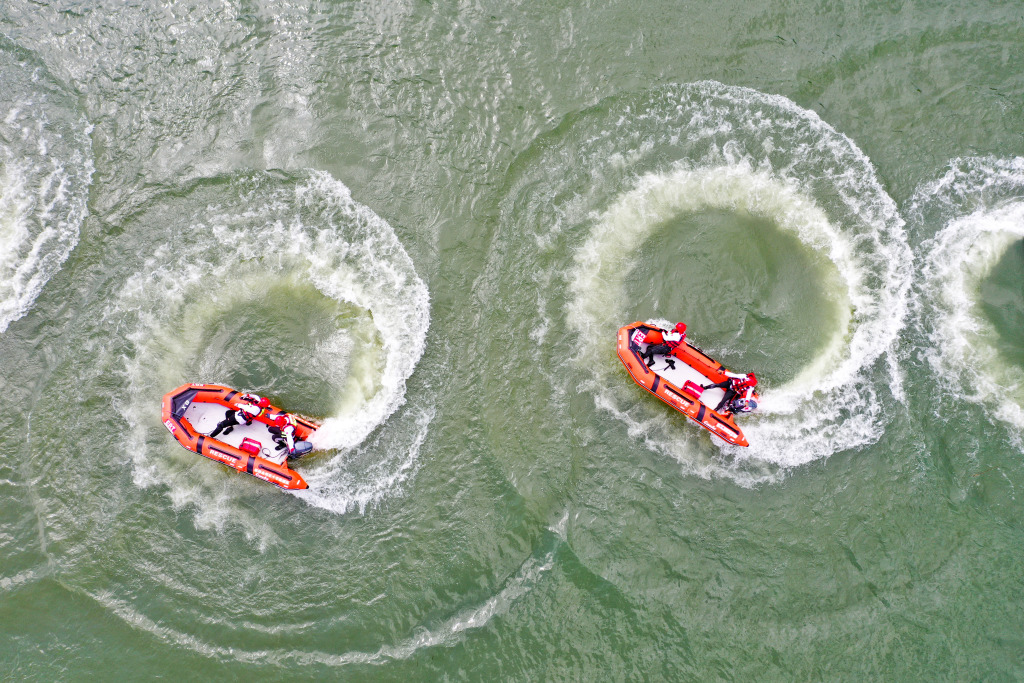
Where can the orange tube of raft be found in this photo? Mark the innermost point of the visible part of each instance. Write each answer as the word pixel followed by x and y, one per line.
pixel 678 386
pixel 191 411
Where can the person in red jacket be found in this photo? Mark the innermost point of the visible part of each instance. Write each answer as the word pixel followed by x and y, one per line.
pixel 249 410
pixel 670 341
pixel 282 432
pixel 739 392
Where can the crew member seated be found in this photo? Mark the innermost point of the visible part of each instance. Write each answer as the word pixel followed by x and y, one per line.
pixel 282 432
pixel 739 393
pixel 246 412
pixel 670 341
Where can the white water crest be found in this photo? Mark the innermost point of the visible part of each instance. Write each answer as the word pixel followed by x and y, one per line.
pixel 740 150
pixel 979 204
pixel 230 256
pixel 45 172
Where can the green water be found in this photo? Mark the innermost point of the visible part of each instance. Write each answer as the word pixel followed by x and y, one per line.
pixel 423 223
pixel 694 266
pixel 1002 298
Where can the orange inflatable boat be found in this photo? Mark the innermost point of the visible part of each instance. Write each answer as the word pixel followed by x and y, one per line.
pixel 192 411
pixel 679 386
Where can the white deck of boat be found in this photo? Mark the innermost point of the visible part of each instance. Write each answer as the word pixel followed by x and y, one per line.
pixel 681 374
pixel 204 417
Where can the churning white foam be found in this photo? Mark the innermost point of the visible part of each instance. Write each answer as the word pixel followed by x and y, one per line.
pixel 45 171
pixel 760 154
pixel 376 468
pixel 232 252
pixel 980 203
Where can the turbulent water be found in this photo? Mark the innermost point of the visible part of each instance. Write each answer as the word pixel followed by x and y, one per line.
pixel 422 224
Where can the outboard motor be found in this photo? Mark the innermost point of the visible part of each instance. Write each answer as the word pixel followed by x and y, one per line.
pixel 744 405
pixel 301 448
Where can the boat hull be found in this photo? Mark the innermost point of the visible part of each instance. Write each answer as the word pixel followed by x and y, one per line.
pixel 191 411
pixel 694 366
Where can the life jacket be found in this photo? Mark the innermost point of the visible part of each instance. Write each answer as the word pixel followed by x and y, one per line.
pixel 673 339
pixel 248 412
pixel 286 423
pixel 740 385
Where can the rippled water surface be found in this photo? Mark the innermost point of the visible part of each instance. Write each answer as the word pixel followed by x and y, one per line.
pixel 423 223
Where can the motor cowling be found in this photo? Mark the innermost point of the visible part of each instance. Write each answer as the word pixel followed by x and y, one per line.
pixel 744 405
pixel 301 448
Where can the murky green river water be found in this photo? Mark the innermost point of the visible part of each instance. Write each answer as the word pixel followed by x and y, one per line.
pixel 423 223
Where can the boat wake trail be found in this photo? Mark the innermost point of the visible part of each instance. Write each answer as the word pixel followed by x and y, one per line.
pixel 627 172
pixel 979 203
pixel 292 289
pixel 45 172
pixel 445 633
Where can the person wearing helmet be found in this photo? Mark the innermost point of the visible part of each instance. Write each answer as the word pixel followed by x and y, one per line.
pixel 739 392
pixel 244 414
pixel 670 341
pixel 256 400
pixel 282 432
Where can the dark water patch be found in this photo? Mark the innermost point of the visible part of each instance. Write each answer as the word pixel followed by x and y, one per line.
pixel 1002 301
pixel 741 284
pixel 270 343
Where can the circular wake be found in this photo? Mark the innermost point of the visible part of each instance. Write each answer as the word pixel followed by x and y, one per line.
pixel 624 174
pixel 293 290
pixel 980 205
pixel 448 633
pixel 45 171
pixel 608 258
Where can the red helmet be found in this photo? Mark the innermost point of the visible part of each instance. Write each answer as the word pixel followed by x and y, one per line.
pixel 681 328
pixel 263 402
pixel 751 380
